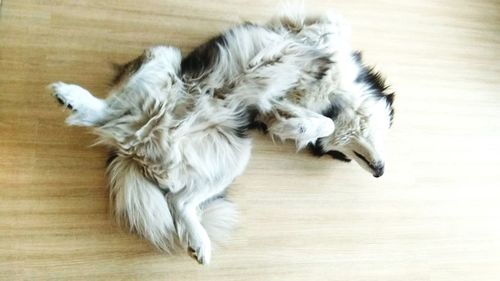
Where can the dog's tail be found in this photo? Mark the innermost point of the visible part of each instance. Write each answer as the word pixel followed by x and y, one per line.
pixel 139 205
pixel 218 217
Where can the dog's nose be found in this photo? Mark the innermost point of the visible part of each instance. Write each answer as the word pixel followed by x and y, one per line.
pixel 378 170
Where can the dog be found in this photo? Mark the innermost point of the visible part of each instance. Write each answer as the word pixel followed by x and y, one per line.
pixel 177 128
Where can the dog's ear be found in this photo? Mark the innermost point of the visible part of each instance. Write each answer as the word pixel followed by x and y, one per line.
pixel 390 101
pixel 358 56
pixel 390 98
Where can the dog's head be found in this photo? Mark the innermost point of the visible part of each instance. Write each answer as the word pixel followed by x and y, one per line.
pixel 362 116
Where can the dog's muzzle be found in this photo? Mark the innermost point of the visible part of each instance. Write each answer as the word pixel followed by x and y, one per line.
pixel 376 167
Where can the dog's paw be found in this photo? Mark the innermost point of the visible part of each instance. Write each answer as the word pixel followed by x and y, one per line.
pixel 87 109
pixel 72 96
pixel 201 252
pixel 325 127
pixel 303 130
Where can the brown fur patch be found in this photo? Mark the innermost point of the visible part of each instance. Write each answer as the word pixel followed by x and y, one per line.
pixel 124 71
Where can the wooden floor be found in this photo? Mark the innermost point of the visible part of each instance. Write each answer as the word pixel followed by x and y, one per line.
pixel 434 215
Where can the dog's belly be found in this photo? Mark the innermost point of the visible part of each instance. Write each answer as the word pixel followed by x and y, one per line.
pixel 211 160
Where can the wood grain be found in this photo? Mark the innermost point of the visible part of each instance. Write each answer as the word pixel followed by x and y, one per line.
pixel 434 215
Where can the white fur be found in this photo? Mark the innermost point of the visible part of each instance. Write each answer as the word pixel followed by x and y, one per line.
pixel 88 108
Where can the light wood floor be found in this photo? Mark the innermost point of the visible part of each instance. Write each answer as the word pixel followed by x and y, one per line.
pixel 435 215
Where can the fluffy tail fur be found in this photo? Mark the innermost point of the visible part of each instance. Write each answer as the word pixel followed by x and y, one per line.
pixel 141 207
pixel 219 217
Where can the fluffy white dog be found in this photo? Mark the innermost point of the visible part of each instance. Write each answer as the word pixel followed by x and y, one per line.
pixel 177 127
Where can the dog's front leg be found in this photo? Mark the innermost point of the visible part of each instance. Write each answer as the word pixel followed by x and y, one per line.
pixel 297 123
pixel 87 109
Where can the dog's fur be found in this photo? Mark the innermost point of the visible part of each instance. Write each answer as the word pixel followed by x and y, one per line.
pixel 177 128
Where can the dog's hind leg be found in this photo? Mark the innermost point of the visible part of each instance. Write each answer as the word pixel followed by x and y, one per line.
pixel 192 234
pixel 87 109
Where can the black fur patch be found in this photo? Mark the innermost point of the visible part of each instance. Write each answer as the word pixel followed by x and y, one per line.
pixel 254 124
pixel 259 126
pixel 316 148
pixel 322 65
pixel 390 101
pixel 111 156
pixel 374 80
pixel 203 57
pixel 332 111
pixel 339 156
pixel 390 98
